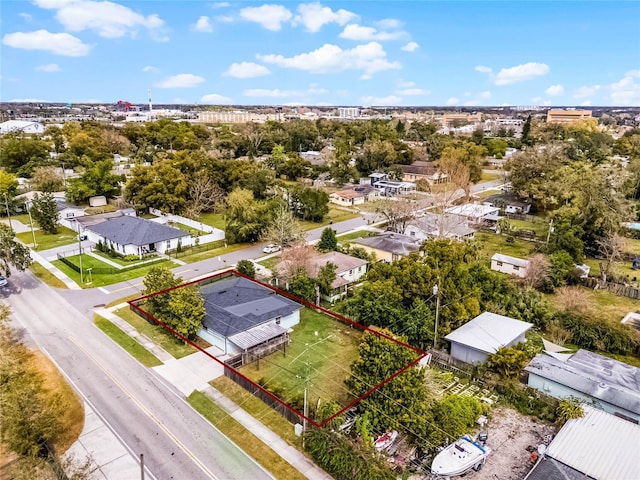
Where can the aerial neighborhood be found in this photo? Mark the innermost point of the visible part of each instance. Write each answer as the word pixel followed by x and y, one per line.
pixel 262 289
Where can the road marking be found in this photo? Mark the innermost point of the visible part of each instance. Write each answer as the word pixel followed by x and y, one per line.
pixel 135 285
pixel 104 290
pixel 146 411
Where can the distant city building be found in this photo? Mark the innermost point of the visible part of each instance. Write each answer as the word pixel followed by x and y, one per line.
pixel 21 126
pixel 459 119
pixel 235 116
pixel 348 112
pixel 567 116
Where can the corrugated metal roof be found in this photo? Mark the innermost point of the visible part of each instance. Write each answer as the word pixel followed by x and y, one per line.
pixel 488 332
pixel 600 445
pixel 257 335
pixel 520 262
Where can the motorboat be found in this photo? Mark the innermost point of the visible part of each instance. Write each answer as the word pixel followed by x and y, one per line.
pixel 385 440
pixel 460 457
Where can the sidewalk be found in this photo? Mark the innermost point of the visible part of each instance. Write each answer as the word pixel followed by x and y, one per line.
pixel 71 285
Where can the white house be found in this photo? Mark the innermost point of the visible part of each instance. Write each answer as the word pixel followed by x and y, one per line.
pixel 353 196
pixel 243 316
pixel 508 203
pixel 475 213
pixel 23 126
pixel 386 186
pixel 349 271
pixel 608 384
pixel 431 225
pixel 131 235
pixel 511 265
pixel 474 341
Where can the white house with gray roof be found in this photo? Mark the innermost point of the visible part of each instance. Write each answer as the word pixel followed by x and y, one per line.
pixel 608 384
pixel 130 235
pixel 243 316
pixel 510 265
pixel 474 341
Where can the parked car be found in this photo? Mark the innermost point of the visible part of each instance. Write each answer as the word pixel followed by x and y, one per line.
pixel 3 281
pixel 272 248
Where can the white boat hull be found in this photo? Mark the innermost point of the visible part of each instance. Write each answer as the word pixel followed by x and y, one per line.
pixel 459 457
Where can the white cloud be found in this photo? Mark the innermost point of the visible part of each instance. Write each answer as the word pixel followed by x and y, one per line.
pixel 183 80
pixel 471 103
pixel 224 18
pixel 414 91
pixel 365 34
pixel 26 16
pixel 483 69
pixel 247 70
pixel 520 73
pixel 555 90
pixel 28 100
pixel 49 67
pixel 215 99
pixel 366 76
pixel 626 92
pixel 150 68
pixel 586 91
pixel 453 101
pixel 269 16
pixel 110 20
pixel 586 103
pixel 314 16
pixel 536 99
pixel 277 93
pixel 221 5
pixel 388 23
pixel 546 103
pixel 410 47
pixel 58 43
pixel 203 24
pixel 405 84
pixel 370 58
pixel 388 100
pixel 485 94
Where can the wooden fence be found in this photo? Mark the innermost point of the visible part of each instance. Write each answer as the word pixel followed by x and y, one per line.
pixel 618 288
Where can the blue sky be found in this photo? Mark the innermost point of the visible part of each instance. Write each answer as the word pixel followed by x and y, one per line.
pixel 330 53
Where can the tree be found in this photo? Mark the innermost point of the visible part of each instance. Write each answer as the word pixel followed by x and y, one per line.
pixel 568 409
pixel 19 154
pixel 277 160
pixel 507 362
pixel 610 248
pixel 185 311
pixel 8 185
pixel 283 229
pixel 302 286
pixel 309 204
pixel 159 279
pixel 47 179
pixel 326 276
pixel 526 130
pixel 160 186
pixel 398 213
pixel 295 259
pixel 328 240
pixel 45 212
pixel 247 218
pixel 456 415
pixel 538 271
pixel 204 195
pixel 246 267
pixel 97 180
pixel 12 253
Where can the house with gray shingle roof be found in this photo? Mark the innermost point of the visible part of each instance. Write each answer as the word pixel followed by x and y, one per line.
pixel 244 317
pixel 135 236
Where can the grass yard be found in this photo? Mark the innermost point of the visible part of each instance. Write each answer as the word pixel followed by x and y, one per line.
pixel 186 228
pixel 486 193
pixel 120 260
pixel 214 220
pixel 196 254
pixel 45 241
pixel 335 215
pixel 347 237
pixel 488 177
pixel 491 243
pixel 131 345
pixel 270 263
pixel 541 228
pixel 46 276
pixel 156 333
pixel 321 350
pixel 242 437
pixel 605 305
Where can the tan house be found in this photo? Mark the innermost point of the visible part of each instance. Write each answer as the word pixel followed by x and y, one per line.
pixel 349 271
pixel 421 170
pixel 567 116
pixel 389 246
pixel 353 196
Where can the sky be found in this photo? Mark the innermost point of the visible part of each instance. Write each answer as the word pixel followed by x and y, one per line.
pixel 363 53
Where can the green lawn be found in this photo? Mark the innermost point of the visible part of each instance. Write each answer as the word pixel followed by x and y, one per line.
pixel 156 333
pixel 195 254
pixel 491 243
pixel 46 241
pixel 121 261
pixel 106 279
pixel 270 263
pixel 242 437
pixel 214 220
pixel 186 228
pixel 134 349
pixel 318 344
pixel 488 177
pixel 347 237
pixel 335 215
pixel 486 193
pixel 605 305
pixel 46 276
pixel 541 227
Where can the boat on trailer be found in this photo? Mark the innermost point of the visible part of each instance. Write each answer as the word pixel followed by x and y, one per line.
pixel 385 440
pixel 460 457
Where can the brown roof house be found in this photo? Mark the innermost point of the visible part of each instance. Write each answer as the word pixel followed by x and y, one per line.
pixel 349 271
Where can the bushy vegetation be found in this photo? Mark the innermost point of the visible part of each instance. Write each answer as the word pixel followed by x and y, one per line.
pixel 600 335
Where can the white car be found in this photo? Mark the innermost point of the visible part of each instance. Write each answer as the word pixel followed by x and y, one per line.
pixel 3 281
pixel 272 248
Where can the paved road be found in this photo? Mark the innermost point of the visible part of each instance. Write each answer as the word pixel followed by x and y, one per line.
pixel 148 414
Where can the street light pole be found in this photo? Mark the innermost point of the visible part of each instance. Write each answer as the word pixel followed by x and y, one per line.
pixel 33 233
pixel 436 292
pixel 80 256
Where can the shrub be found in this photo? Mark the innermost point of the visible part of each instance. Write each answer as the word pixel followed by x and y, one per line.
pixel 246 267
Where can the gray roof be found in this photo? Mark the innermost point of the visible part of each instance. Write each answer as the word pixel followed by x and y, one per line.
pixel 520 262
pixel 452 225
pixel 238 305
pixel 87 220
pixel 137 231
pixel 549 469
pixel 599 377
pixel 390 242
pixel 488 332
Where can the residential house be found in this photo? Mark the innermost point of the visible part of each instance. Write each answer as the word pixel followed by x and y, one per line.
pixel 508 203
pixel 596 446
pixel 244 317
pixel 421 170
pixel 475 214
pixel 68 212
pixel 389 247
pixel 511 265
pixel 387 187
pixel 608 384
pixel 431 225
pixel 356 195
pixel 349 271
pixel 474 341
pixel 136 236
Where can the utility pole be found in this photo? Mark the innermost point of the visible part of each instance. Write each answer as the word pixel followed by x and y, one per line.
pixel 550 231
pixel 6 204
pixel 33 233
pixel 80 256
pixel 142 466
pixel 436 292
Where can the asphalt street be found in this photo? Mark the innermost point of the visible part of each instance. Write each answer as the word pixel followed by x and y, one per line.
pixel 149 416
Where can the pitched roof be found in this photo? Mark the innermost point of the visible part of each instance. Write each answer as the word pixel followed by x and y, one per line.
pixel 420 168
pixel 126 230
pixel 342 262
pixel 600 445
pixel 449 226
pixel 488 332
pixel 520 262
pixel 599 377
pixel 390 242
pixel 237 305
pixel 472 210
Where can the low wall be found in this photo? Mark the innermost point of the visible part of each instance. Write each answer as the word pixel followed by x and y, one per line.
pixel 186 221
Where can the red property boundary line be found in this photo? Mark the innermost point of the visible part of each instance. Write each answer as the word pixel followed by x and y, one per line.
pixel 133 304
